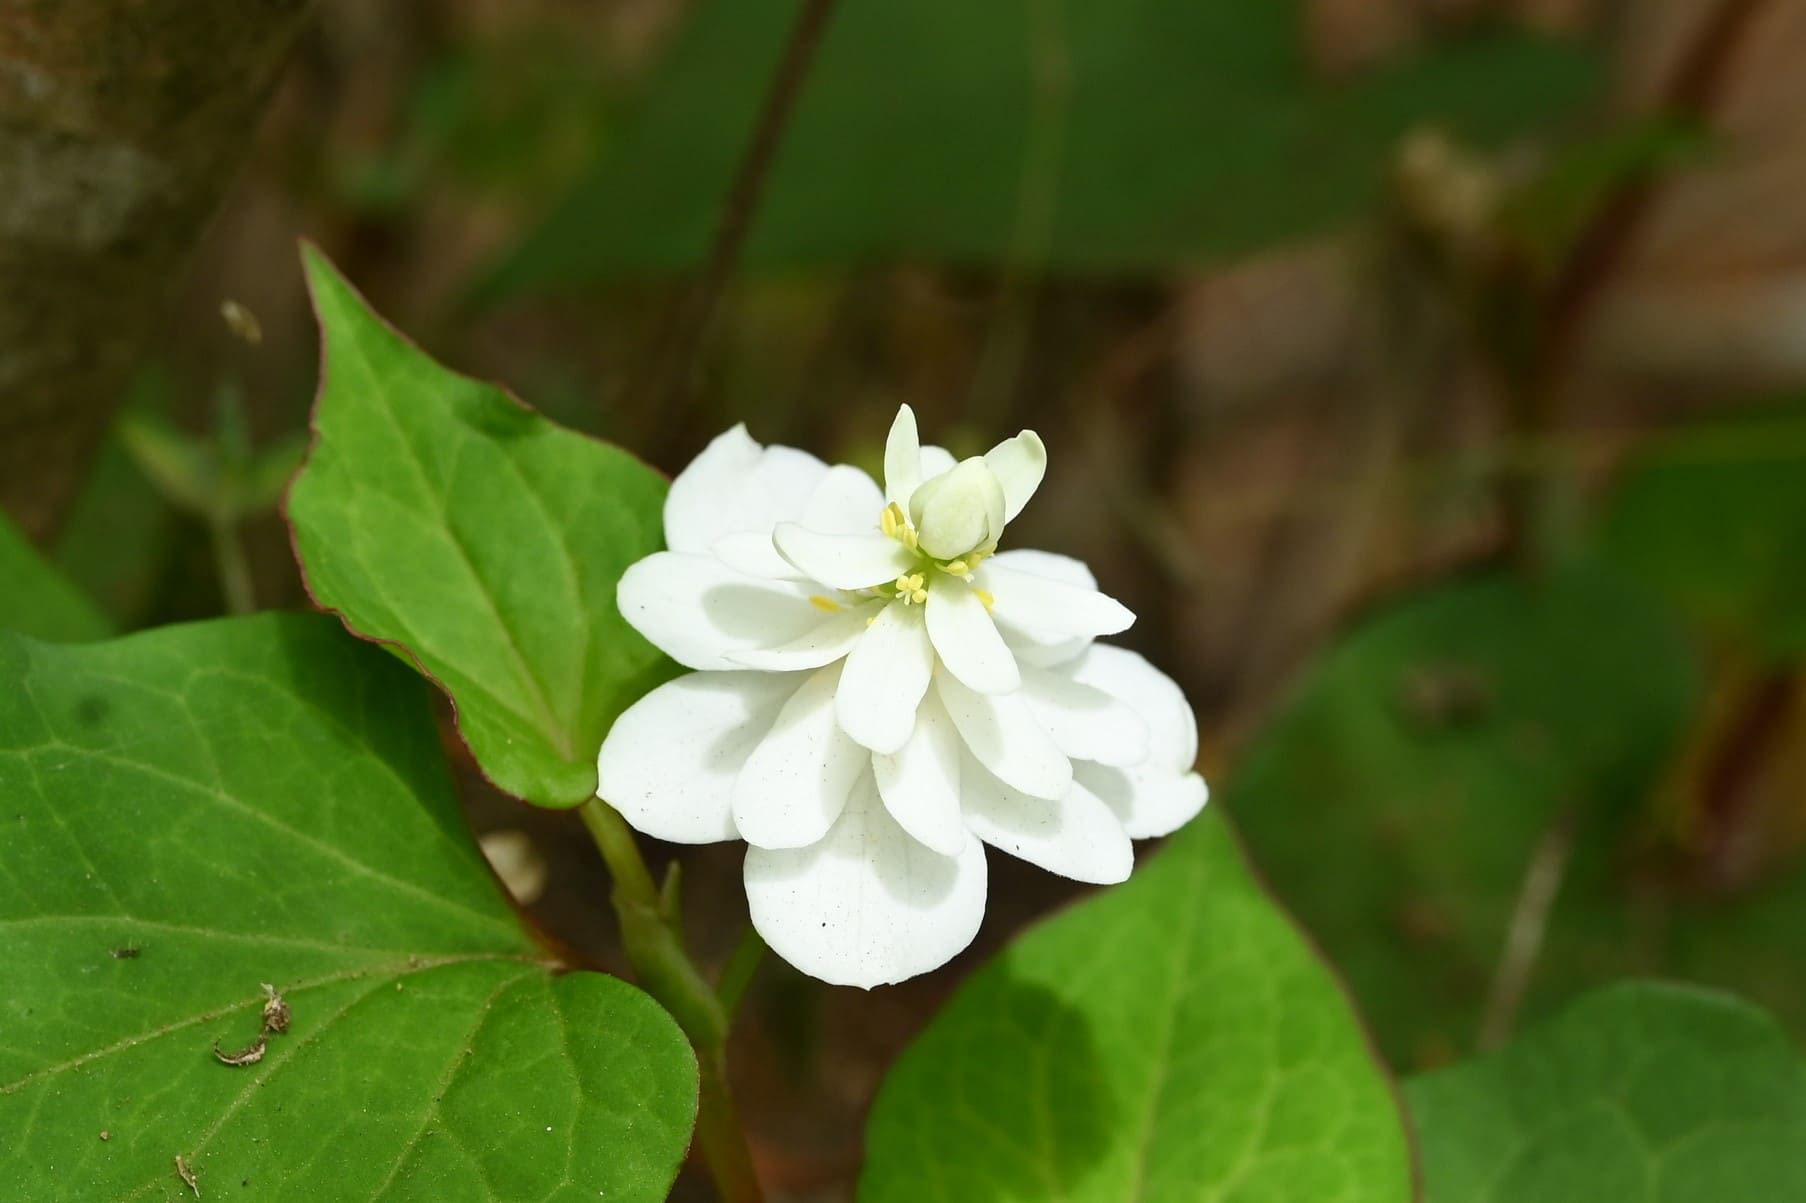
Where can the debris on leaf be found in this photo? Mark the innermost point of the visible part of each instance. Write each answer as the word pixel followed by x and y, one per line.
pixel 187 1175
pixel 125 954
pixel 249 1055
pixel 276 1018
pixel 276 1014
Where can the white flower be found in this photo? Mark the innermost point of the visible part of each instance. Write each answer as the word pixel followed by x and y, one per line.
pixel 879 692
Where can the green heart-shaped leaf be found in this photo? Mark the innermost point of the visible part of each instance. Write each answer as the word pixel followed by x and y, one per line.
pixel 1638 1093
pixel 439 514
pixel 195 811
pixel 1171 1039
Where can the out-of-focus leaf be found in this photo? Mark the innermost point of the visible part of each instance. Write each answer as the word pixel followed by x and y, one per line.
pixel 1171 1039
pixel 183 468
pixel 36 599
pixel 197 810
pixel 1397 800
pixel 442 515
pixel 270 471
pixel 1716 519
pixel 1086 136
pixel 1640 1093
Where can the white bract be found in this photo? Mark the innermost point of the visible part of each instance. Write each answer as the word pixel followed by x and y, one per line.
pixel 879 692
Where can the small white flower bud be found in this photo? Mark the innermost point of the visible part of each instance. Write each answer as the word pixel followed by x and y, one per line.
pixel 959 511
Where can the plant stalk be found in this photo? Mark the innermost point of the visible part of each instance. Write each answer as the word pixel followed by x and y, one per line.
pixel 649 931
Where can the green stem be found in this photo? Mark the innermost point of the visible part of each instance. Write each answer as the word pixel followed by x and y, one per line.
pixel 737 975
pixel 233 568
pixel 664 968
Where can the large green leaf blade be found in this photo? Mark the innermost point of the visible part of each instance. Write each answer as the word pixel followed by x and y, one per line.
pixel 439 514
pixel 1638 1093
pixel 1075 136
pixel 1397 798
pixel 1171 1039
pixel 198 810
pixel 36 599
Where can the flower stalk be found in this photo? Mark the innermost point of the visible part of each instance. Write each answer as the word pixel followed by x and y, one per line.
pixel 654 943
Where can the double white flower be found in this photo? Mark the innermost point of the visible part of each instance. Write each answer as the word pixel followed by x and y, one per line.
pixel 880 692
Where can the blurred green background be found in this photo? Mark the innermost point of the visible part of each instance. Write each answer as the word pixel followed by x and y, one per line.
pixel 1428 375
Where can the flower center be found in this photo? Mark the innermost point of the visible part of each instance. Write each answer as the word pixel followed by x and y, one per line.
pixel 911 588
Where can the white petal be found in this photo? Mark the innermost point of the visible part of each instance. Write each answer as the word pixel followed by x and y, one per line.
pixel 843 561
pixel 935 460
pixel 1030 649
pixel 920 782
pixel 1049 610
pixel 753 553
pixel 796 780
pixel 1158 794
pixel 867 905
pixel 846 502
pixel 902 458
pixel 1077 837
pixel 1049 564
pixel 737 485
pixel 1001 731
pixel 833 636
pixel 1085 721
pixel 885 678
pixel 1156 697
pixel 1148 801
pixel 669 763
pixel 1018 464
pixel 967 640
pixel 698 611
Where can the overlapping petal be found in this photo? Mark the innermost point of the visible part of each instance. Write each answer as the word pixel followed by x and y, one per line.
pixel 795 782
pixel 1077 837
pixel 868 905
pixel 699 611
pixel 851 562
pixel 885 678
pixel 670 762
pixel 966 639
pixel 920 782
pixel 1161 791
pixel 1003 735
pixel 737 485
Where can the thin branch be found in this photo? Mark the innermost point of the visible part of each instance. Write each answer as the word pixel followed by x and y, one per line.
pixel 694 319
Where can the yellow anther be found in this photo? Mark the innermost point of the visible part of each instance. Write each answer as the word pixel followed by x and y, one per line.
pixel 911 587
pixel 871 620
pixel 957 568
pixel 985 596
pixel 825 604
pixel 890 520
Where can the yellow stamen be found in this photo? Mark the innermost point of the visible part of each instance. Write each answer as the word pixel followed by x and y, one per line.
pixel 957 568
pixel 985 596
pixel 824 604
